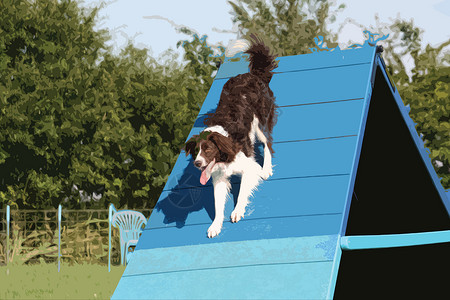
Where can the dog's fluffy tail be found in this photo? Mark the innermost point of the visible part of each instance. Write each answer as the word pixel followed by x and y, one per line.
pixel 262 61
pixel 237 46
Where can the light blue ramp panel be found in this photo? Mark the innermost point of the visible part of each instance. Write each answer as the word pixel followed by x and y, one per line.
pixel 264 268
pixel 288 242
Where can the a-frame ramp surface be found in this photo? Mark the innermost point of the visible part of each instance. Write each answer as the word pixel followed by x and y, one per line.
pixel 289 243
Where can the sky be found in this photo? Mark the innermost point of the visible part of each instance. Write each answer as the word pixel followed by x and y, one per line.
pixel 152 23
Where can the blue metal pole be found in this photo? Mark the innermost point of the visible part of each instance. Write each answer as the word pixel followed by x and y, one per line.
pixel 7 233
pixel 59 237
pixel 360 242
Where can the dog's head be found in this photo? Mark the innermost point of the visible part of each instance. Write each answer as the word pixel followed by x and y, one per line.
pixel 207 149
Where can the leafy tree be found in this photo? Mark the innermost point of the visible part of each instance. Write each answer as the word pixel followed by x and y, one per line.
pixel 48 51
pixel 82 126
pixel 427 93
pixel 289 25
pixel 162 102
pixel 428 97
pixel 426 89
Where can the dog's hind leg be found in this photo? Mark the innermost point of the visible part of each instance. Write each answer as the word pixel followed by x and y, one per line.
pixel 221 190
pixel 267 168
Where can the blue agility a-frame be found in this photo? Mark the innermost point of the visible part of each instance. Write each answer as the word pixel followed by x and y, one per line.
pixel 354 207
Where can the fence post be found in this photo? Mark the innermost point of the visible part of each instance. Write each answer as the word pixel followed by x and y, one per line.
pixel 109 240
pixel 7 233
pixel 59 237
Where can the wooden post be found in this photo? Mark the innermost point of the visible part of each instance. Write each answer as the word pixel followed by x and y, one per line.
pixel 59 237
pixel 109 225
pixel 7 233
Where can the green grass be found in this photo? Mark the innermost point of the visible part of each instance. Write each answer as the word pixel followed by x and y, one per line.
pixel 72 282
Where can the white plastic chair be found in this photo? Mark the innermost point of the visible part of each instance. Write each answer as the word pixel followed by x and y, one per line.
pixel 130 225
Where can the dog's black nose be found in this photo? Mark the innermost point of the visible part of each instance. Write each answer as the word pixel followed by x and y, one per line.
pixel 197 163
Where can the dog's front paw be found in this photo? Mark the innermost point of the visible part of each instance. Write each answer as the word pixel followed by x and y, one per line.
pixel 266 173
pixel 237 214
pixel 214 229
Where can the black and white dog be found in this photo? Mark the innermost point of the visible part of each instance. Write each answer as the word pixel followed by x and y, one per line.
pixel 246 110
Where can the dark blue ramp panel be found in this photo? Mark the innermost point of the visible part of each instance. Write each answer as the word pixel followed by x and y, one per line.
pixel 259 269
pixel 313 210
pixel 322 85
pixel 310 86
pixel 329 156
pixel 311 121
pixel 305 62
pixel 180 207
pixel 246 230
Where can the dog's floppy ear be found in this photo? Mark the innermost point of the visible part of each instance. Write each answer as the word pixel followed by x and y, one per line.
pixel 225 145
pixel 190 145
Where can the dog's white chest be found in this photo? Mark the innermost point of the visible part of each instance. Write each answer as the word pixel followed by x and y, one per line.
pixel 240 164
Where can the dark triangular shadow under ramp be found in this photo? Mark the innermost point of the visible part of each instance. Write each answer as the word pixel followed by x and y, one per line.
pixel 393 192
pixel 398 214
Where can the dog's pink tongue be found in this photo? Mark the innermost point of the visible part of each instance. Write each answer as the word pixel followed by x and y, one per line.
pixel 206 173
pixel 203 177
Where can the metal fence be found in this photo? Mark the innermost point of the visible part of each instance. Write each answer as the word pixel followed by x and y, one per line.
pixel 34 235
